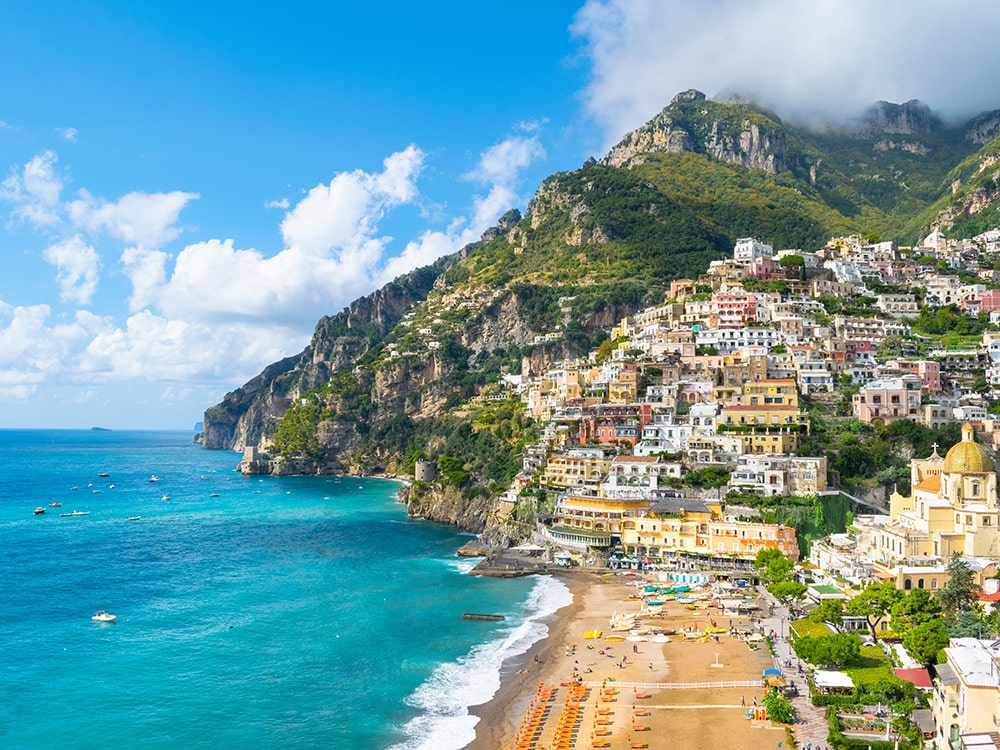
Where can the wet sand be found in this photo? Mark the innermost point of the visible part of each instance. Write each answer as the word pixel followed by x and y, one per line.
pixel 625 704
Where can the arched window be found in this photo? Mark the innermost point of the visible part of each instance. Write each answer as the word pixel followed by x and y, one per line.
pixel 907 584
pixel 920 583
pixel 933 583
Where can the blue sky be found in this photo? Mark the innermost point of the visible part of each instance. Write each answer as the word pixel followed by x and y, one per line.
pixel 188 187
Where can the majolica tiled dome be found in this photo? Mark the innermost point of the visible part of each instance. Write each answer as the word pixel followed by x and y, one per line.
pixel 968 456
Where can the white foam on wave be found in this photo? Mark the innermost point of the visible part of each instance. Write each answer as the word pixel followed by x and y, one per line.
pixel 444 699
pixel 463 565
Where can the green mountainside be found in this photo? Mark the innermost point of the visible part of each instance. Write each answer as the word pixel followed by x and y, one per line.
pixel 400 374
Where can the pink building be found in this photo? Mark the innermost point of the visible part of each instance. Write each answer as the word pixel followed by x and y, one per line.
pixel 733 310
pixel 888 400
pixel 929 372
pixel 989 300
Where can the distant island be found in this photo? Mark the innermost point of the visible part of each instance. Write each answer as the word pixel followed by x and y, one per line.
pixel 100 429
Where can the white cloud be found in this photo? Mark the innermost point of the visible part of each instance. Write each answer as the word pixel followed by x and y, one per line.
pixel 76 263
pixel 215 310
pixel 34 191
pixel 503 162
pixel 427 248
pixel 146 269
pixel 282 203
pixel 144 219
pixel 345 213
pixel 499 167
pixel 826 58
pixel 68 134
pixel 152 347
pixel 33 352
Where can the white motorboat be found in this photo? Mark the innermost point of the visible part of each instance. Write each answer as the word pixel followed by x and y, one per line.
pixel 102 616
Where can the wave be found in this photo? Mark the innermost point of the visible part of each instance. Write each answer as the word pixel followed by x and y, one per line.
pixel 444 721
pixel 463 565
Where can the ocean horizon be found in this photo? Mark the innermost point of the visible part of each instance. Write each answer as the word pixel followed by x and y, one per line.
pixel 251 611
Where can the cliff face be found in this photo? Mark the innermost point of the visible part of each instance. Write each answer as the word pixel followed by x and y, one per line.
pixel 249 415
pixel 729 133
pixel 445 505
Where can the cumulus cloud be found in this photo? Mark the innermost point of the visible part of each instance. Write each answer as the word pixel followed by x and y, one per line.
pixel 143 219
pixel 345 213
pixel 34 191
pixel 33 351
pixel 282 203
pixel 213 309
pixel 76 263
pixel 825 59
pixel 146 269
pixel 181 350
pixel 499 169
pixel 68 134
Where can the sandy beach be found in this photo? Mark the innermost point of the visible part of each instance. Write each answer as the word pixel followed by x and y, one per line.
pixel 624 701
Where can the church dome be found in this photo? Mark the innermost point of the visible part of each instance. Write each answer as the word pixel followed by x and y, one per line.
pixel 968 456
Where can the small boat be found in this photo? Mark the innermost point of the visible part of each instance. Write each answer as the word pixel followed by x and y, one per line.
pixel 104 474
pixel 214 494
pixel 39 510
pixel 133 518
pixel 476 616
pixel 154 478
pixel 75 513
pixel 55 505
pixel 102 616
pixel 165 497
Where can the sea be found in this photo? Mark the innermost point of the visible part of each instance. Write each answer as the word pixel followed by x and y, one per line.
pixel 252 612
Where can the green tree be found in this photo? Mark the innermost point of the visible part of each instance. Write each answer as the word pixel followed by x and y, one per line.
pixel 925 641
pixel 766 555
pixel 779 708
pixel 875 602
pixel 296 434
pixel 916 608
pixel 960 592
pixel 969 624
pixel 778 570
pixel 833 650
pixel 829 610
pixel 787 592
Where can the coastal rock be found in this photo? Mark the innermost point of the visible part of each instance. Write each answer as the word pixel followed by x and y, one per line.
pixel 436 502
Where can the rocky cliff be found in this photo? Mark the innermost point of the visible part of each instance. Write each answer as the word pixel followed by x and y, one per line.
pixel 249 415
pixel 733 133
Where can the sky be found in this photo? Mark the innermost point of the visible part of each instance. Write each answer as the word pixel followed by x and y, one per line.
pixel 186 188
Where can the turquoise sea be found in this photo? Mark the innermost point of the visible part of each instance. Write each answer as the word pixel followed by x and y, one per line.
pixel 252 612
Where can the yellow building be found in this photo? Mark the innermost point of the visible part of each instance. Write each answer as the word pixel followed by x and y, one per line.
pixel 591 521
pixel 952 507
pixel 577 469
pixel 690 526
pixel 766 417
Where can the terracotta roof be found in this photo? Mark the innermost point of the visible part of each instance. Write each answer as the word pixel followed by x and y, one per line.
pixel 930 484
pixel 995 597
pixel 921 678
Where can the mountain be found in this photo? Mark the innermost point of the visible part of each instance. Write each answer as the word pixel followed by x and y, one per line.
pixel 399 374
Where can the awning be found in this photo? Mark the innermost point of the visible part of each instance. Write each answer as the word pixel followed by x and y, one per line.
pixel 829 679
pixel 946 674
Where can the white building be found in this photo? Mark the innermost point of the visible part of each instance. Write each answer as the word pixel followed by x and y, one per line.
pixel 747 250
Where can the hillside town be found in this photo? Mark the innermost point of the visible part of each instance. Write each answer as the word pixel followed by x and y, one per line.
pixel 664 450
